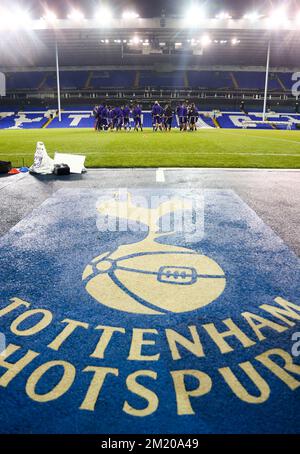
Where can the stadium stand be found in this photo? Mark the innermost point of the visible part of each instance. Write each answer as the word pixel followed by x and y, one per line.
pixel 73 80
pixel 24 80
pixel 112 79
pixel 86 80
pixel 207 79
pixel 286 79
pixel 69 80
pixel 162 79
pixel 83 118
pixel 256 80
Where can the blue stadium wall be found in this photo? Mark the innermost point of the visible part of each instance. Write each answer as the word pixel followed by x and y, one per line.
pixel 84 119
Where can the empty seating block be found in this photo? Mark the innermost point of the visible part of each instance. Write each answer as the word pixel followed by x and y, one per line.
pixel 256 80
pixel 24 80
pixel 162 79
pixel 112 79
pixel 210 79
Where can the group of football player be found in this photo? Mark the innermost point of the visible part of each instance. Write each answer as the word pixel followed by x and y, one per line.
pixel 118 118
pixel 162 118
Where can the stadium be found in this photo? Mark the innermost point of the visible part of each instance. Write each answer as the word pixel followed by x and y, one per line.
pixel 149 218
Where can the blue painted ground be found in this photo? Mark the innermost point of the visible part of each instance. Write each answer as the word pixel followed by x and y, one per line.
pixel 42 261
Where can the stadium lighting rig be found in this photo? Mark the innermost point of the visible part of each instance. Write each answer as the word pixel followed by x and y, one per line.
pixel 254 16
pixel 130 15
pixel 235 41
pixel 223 16
pixel 76 15
pixel 104 16
pixel 195 16
pixel 205 40
pixel 50 17
pixel 278 18
pixel 15 20
pixel 135 40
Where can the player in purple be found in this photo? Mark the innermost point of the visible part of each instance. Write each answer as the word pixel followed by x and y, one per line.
pixel 168 117
pixel 137 117
pixel 110 118
pixel 114 119
pixel 157 113
pixel 104 117
pixel 119 118
pixel 182 113
pixel 193 116
pixel 126 116
pixel 97 114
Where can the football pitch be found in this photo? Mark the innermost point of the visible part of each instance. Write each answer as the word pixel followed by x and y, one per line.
pixel 227 148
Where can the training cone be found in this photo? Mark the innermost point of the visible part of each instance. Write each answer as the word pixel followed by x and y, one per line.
pixel 13 171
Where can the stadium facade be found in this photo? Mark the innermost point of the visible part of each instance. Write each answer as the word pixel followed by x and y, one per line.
pixel 218 63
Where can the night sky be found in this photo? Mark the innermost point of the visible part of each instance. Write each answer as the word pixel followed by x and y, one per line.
pixel 152 8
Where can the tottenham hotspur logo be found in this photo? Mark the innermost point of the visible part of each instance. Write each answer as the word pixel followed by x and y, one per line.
pixel 148 277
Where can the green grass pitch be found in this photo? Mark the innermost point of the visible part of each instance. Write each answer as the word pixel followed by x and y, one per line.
pixel 204 148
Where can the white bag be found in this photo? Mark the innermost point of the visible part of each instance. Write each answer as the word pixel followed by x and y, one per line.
pixel 43 164
pixel 74 161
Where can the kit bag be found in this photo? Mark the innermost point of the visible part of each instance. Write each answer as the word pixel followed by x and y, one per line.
pixel 5 166
pixel 61 169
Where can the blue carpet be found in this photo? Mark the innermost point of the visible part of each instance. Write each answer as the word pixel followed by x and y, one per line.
pixel 163 368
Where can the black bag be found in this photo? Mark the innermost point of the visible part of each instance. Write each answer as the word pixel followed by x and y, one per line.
pixel 5 167
pixel 61 169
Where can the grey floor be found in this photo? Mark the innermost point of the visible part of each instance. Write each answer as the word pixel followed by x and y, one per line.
pixel 273 194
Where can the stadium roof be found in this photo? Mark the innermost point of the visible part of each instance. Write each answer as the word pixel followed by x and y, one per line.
pixel 142 41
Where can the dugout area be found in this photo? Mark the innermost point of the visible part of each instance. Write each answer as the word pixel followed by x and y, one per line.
pixel 138 330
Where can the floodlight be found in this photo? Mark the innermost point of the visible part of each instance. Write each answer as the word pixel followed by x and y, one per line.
pixel 6 20
pixel 205 40
pixel 50 17
pixel 15 19
pixel 277 18
pixel 135 40
pixel 253 16
pixel 76 15
pixel 194 16
pixel 103 15
pixel 22 17
pixel 223 16
pixel 129 15
pixel 235 41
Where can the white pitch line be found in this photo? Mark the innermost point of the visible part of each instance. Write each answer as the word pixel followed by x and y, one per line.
pixel 160 176
pixel 296 142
